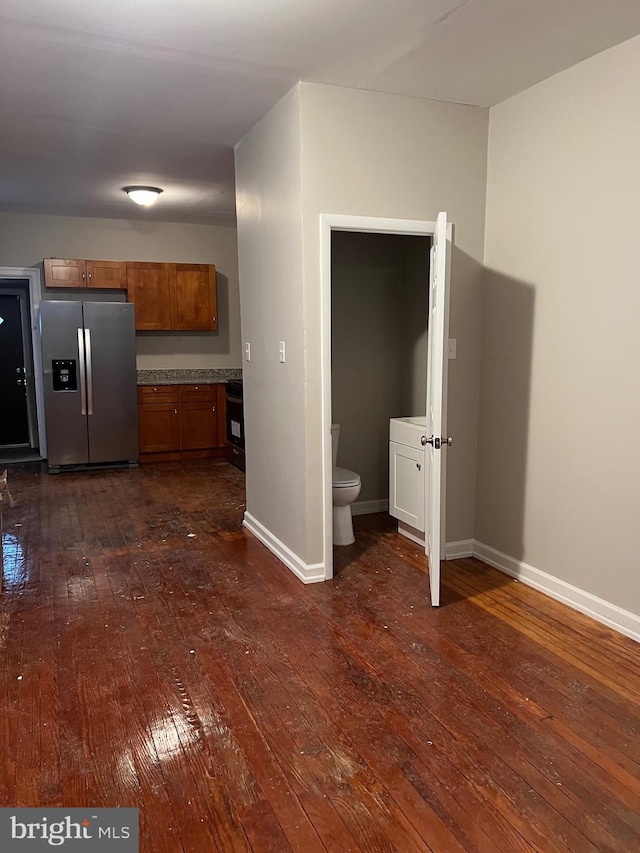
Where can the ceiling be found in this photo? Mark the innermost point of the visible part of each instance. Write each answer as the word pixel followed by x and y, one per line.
pixel 101 94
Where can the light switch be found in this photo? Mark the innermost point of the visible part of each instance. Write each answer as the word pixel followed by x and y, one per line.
pixel 247 351
pixel 281 352
pixel 453 348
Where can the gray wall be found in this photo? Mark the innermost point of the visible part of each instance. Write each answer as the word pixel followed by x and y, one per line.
pixel 559 457
pixel 269 204
pixel 324 149
pixel 379 316
pixel 26 239
pixel 373 154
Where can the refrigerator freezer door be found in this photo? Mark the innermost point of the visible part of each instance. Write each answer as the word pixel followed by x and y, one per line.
pixel 62 330
pixel 110 344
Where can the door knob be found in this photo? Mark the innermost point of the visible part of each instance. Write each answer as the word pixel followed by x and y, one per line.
pixel 437 442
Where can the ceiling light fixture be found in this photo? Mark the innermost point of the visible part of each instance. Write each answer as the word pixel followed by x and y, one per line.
pixel 143 195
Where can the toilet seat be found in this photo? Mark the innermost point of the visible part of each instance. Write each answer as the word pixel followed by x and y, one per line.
pixel 344 479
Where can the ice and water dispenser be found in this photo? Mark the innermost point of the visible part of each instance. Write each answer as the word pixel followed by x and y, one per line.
pixel 65 375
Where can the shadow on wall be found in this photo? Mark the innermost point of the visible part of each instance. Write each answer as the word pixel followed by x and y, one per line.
pixel 195 343
pixel 503 429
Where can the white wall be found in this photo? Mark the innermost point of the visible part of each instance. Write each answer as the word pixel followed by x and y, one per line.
pixel 372 154
pixel 26 239
pixel 324 149
pixel 559 455
pixel 271 289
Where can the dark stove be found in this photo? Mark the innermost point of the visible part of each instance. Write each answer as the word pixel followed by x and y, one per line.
pixel 235 423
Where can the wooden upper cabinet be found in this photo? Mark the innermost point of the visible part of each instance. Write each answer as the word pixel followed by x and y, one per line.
pixel 194 304
pixel 107 274
pixel 148 286
pixel 64 273
pixel 168 297
pixel 60 272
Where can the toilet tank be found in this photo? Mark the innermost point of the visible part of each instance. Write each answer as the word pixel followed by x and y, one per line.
pixel 335 439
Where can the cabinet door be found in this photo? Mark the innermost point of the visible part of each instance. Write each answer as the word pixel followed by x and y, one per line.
pixel 148 287
pixel 107 274
pixel 198 426
pixel 193 297
pixel 158 427
pixel 64 273
pixel 406 484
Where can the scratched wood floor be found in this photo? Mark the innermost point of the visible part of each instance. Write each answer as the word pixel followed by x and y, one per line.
pixel 153 654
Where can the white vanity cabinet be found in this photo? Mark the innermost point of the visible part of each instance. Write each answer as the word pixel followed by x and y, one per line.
pixel 407 471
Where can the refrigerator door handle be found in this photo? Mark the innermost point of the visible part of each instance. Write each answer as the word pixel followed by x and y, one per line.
pixel 83 379
pixel 87 337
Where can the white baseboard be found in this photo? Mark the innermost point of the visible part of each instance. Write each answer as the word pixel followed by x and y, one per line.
pixel 615 617
pixel 459 549
pixel 367 507
pixel 307 573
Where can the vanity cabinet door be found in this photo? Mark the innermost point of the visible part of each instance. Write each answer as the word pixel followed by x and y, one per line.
pixel 407 484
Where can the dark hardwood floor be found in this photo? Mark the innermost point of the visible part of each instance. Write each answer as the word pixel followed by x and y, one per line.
pixel 154 654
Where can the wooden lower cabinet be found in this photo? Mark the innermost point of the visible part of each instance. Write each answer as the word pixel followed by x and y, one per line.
pixel 181 421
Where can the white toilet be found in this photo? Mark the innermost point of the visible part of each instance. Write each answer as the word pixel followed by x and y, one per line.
pixel 346 488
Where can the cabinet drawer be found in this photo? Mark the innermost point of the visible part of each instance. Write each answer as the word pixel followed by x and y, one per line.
pixel 235 455
pixel 197 393
pixel 157 393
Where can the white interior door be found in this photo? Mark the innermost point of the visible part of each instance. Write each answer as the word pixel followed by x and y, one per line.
pixel 434 440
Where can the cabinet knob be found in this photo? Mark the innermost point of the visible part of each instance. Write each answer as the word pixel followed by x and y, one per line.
pixel 213 319
pixel 175 411
pixel 197 388
pixel 213 408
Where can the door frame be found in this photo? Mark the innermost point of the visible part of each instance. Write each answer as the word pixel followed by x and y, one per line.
pixel 34 279
pixel 371 225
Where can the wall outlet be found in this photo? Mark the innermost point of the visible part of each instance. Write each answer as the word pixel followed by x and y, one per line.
pixel 452 348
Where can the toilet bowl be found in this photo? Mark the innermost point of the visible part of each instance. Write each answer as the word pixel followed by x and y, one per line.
pixel 346 488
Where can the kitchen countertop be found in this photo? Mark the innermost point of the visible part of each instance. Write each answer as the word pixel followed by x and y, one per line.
pixel 188 377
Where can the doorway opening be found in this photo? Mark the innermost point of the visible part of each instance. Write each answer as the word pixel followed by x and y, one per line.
pixel 379 319
pixel 401 342
pixel 18 424
pixel 21 437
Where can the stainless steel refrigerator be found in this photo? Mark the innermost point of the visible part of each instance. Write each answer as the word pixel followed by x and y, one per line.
pixel 90 396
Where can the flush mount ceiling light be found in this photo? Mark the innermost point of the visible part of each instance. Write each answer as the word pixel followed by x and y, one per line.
pixel 143 195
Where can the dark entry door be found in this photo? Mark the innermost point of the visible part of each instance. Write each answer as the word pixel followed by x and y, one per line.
pixel 14 423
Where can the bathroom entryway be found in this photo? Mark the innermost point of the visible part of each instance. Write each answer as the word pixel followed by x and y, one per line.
pixel 384 355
